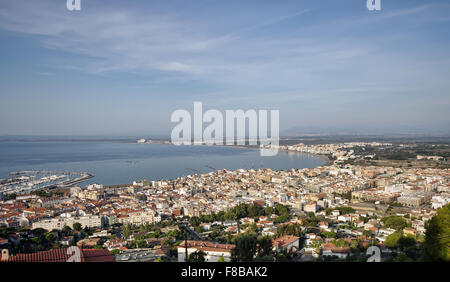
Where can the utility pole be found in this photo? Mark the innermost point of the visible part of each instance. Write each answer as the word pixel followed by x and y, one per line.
pixel 238 227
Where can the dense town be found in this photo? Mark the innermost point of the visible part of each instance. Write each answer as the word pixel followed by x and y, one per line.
pixel 328 213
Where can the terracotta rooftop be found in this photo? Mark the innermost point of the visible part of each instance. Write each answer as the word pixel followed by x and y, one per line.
pixel 284 240
pixel 60 255
pixel 207 246
pixel 334 249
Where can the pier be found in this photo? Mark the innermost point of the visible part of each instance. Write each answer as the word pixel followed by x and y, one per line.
pixel 27 181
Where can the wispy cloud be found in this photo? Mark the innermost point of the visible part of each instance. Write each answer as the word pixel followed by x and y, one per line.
pixel 297 58
pixel 112 40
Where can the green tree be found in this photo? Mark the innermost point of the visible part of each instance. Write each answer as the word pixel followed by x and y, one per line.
pixel 162 259
pixel 392 240
pixel 436 246
pixel 126 231
pixel 230 215
pixel 264 246
pixel 395 222
pixel 50 237
pixel 406 242
pixel 346 210
pixel 282 210
pixel 221 259
pixel 283 256
pixel 57 246
pixel 115 252
pixel 269 211
pixel 281 219
pixel 245 249
pixel 194 221
pixel 167 241
pixel 329 234
pixel 198 229
pixel 38 240
pixel 339 243
pixel 76 226
pixel 141 244
pixel 289 229
pixel 147 227
pixel 367 233
pixel 401 258
pixel 354 245
pixel 38 231
pixel 175 233
pixel 197 256
pixel 220 216
pixel 255 211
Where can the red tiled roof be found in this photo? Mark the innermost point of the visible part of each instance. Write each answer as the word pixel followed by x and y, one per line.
pixel 94 255
pixel 207 246
pixel 60 255
pixel 284 240
pixel 334 249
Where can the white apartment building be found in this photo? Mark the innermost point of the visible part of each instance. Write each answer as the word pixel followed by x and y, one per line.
pixel 59 223
pixel 138 218
pixel 439 201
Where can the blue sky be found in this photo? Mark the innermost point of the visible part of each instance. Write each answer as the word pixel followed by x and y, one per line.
pixel 122 67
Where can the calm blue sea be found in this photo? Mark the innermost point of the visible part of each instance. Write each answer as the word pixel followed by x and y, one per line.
pixel 121 163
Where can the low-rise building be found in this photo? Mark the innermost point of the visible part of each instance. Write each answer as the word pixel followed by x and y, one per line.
pixel 286 243
pixel 91 221
pixel 213 251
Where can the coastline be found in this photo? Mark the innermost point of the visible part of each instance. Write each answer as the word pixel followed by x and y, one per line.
pixel 111 165
pixel 327 160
